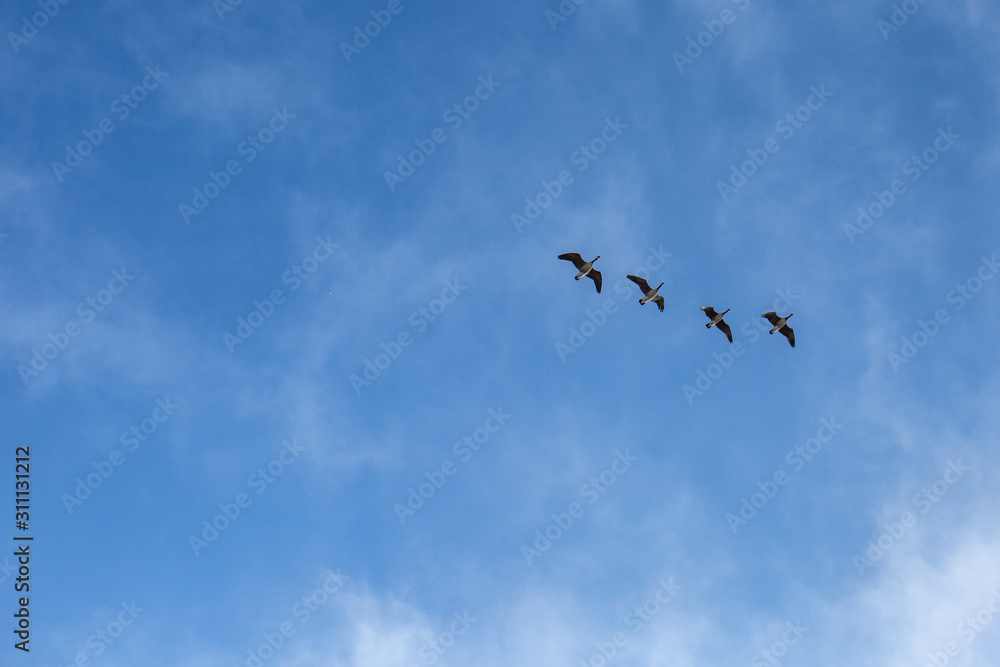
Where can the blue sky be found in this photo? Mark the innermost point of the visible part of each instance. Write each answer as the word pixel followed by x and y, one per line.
pixel 202 255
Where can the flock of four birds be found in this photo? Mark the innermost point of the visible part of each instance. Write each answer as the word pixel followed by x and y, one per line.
pixel 779 324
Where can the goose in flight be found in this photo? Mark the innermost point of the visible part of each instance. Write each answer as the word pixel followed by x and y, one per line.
pixel 717 321
pixel 585 268
pixel 648 292
pixel 780 325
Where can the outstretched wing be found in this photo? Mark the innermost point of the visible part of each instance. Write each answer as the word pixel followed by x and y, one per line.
pixel 641 282
pixel 788 333
pixel 658 300
pixel 573 257
pixel 596 275
pixel 772 317
pixel 724 328
pixel 710 312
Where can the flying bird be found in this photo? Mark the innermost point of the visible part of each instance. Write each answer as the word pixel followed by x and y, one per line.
pixel 717 321
pixel 585 268
pixel 648 292
pixel 780 325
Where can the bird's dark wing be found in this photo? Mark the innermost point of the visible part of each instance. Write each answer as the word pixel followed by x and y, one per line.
pixel 658 300
pixel 641 282
pixel 789 334
pixel 596 275
pixel 573 257
pixel 772 317
pixel 710 311
pixel 722 326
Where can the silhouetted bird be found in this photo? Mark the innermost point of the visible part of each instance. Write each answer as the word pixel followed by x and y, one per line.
pixel 648 292
pixel 585 268
pixel 717 321
pixel 780 325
